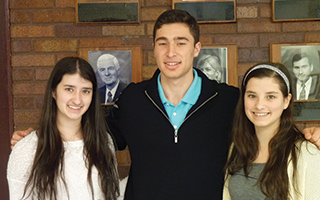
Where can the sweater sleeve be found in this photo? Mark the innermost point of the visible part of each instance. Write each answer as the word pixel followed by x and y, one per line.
pixel 310 160
pixel 19 165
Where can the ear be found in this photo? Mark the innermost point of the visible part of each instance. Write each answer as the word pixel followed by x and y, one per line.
pixel 54 94
pixel 287 101
pixel 197 49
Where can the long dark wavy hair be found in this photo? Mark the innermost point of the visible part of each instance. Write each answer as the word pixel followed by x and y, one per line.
pixel 273 180
pixel 48 161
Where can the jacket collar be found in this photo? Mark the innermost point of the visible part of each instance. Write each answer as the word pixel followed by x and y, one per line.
pixel 208 89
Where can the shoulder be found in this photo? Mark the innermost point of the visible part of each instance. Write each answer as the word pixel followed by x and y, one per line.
pixel 21 157
pixel 308 151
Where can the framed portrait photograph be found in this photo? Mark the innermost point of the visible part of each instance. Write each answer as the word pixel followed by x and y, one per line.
pixel 295 10
pixel 303 62
pixel 219 62
pixel 107 11
pixel 115 68
pixel 208 11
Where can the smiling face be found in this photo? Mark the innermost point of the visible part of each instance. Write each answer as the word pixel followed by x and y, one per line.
pixel 174 50
pixel 73 97
pixel 264 103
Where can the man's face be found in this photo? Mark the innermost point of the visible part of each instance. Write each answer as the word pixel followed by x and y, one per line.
pixel 174 51
pixel 302 69
pixel 108 72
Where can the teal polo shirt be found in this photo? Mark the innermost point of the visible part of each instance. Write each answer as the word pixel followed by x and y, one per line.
pixel 178 113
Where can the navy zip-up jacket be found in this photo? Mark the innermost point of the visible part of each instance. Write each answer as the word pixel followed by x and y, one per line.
pixel 190 168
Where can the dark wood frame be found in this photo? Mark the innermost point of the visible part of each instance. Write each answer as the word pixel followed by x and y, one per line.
pixel 281 12
pixel 6 114
pixel 192 6
pixel 305 110
pixel 115 18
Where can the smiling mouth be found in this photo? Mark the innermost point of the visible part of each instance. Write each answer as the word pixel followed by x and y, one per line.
pixel 172 63
pixel 260 114
pixel 75 107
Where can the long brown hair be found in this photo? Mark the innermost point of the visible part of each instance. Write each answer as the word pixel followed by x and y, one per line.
pixel 48 161
pixel 273 180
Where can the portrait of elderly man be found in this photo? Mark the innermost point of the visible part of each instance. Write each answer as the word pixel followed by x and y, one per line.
pixel 306 85
pixel 109 71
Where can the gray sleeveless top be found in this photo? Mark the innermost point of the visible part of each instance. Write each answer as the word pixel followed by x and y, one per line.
pixel 243 188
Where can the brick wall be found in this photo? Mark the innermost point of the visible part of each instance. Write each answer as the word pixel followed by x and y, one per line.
pixel 44 31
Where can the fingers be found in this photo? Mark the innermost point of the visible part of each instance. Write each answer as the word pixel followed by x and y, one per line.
pixel 313 135
pixel 18 135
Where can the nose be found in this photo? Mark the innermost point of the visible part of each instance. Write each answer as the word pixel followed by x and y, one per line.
pixel 171 50
pixel 77 97
pixel 260 103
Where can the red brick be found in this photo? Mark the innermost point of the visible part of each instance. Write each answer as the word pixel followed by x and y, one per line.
pixel 266 39
pixel 211 29
pixel 151 14
pixel 74 31
pixel 146 43
pixel 26 102
pixel 206 39
pixel 159 3
pixel 20 16
pixel 55 45
pixel 32 31
pixel 253 55
pixel 33 60
pixel 43 73
pixel 39 102
pixel 301 26
pixel 150 58
pixel 23 74
pixel 312 37
pixel 63 55
pixel 24 117
pixel 21 46
pixel 252 1
pixel 123 30
pixel 31 4
pixel 265 11
pixel 247 12
pixel 54 16
pixel 65 4
pixel 257 26
pixel 241 40
pixel 100 42
pixel 29 88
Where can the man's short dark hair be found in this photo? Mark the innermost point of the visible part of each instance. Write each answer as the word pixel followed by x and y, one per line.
pixel 178 16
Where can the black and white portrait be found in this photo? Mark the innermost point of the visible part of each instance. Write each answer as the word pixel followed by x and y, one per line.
pixel 303 62
pixel 113 71
pixel 213 63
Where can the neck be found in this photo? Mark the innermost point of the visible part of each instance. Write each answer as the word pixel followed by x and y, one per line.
pixel 175 89
pixel 111 86
pixel 71 130
pixel 264 136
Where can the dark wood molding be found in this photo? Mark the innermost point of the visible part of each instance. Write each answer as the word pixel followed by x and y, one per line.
pixel 6 113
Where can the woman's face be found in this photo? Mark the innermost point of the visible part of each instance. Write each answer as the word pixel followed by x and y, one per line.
pixel 264 102
pixel 211 70
pixel 73 97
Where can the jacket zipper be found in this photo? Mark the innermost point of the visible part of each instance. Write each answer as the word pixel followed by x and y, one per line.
pixel 164 114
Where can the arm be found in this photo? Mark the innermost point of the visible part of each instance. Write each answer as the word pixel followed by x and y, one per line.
pixel 18 135
pixel 313 135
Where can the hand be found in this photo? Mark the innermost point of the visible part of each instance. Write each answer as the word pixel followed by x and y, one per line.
pixel 313 135
pixel 18 135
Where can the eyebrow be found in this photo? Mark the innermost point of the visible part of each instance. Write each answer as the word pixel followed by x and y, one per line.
pixel 175 38
pixel 271 92
pixel 67 85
